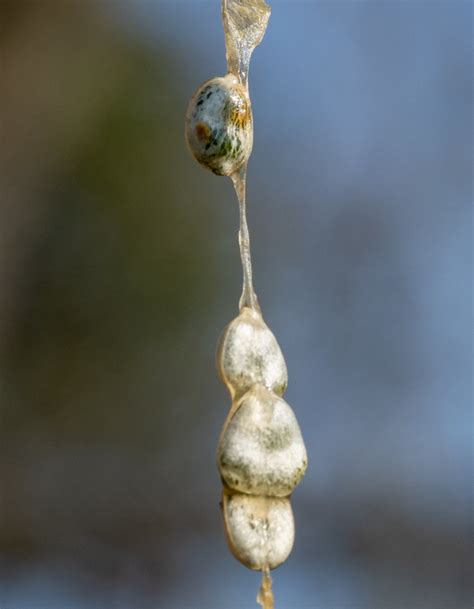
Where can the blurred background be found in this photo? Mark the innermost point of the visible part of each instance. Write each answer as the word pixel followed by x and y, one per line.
pixel 119 268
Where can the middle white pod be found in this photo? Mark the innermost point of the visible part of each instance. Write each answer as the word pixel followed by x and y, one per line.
pixel 261 449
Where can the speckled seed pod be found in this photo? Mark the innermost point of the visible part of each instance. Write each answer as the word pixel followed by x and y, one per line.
pixel 260 531
pixel 219 130
pixel 261 450
pixel 248 353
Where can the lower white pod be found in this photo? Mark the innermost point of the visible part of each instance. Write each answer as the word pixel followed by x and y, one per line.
pixel 260 531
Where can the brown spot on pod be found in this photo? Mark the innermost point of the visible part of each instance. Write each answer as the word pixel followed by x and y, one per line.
pixel 203 132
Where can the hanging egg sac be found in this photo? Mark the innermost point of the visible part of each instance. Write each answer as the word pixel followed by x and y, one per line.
pixel 260 531
pixel 248 354
pixel 261 449
pixel 219 130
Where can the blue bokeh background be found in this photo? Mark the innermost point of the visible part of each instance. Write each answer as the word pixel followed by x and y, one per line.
pixel 119 268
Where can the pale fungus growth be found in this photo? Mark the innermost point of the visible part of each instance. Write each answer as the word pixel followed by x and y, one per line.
pixel 261 454
pixel 248 353
pixel 261 451
pixel 260 530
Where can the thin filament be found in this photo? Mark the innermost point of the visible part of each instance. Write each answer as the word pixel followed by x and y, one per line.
pixel 265 594
pixel 245 22
pixel 248 298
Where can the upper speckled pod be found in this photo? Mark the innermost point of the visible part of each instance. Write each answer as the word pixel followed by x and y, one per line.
pixel 248 353
pixel 219 130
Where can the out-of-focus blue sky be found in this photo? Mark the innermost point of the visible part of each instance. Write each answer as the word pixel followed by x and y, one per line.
pixel 360 214
pixel 363 105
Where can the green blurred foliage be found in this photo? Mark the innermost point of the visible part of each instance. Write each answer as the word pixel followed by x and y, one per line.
pixel 120 259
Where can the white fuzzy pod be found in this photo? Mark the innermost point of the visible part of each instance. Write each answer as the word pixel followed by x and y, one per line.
pixel 261 450
pixel 248 354
pixel 260 531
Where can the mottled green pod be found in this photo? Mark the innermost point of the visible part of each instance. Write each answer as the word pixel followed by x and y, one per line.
pixel 248 353
pixel 260 531
pixel 219 130
pixel 261 450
